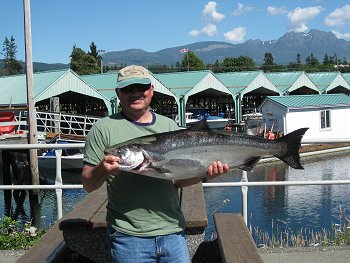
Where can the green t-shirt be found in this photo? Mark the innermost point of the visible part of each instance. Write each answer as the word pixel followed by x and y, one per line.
pixel 137 205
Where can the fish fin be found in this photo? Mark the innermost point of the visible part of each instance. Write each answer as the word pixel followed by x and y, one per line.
pixel 293 142
pixel 158 169
pixel 200 125
pixel 249 163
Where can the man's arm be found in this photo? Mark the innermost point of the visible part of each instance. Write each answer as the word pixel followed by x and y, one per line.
pixel 93 177
pixel 214 170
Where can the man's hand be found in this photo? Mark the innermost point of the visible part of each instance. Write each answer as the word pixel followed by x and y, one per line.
pixel 110 164
pixel 93 177
pixel 216 169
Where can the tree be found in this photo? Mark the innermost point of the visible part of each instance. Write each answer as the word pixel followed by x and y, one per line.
pixel 12 65
pixel 269 64
pixel 96 54
pixel 214 67
pixel 93 50
pixel 242 63
pixel 190 61
pixel 326 60
pixel 83 63
pixel 298 60
pixel 312 60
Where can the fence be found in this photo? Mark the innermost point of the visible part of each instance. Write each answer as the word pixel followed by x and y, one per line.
pixel 56 122
pixel 244 184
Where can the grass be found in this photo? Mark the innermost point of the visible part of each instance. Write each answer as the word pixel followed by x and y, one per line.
pixel 14 236
pixel 305 237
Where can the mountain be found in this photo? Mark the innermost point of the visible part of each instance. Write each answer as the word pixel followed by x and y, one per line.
pixel 39 66
pixel 284 50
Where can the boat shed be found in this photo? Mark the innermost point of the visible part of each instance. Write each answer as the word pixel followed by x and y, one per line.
pixel 329 82
pixel 248 88
pixel 195 89
pixel 292 83
pixel 346 76
pixel 105 83
pixel 326 115
pixel 75 95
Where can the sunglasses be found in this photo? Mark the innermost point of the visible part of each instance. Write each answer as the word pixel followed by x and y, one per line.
pixel 135 87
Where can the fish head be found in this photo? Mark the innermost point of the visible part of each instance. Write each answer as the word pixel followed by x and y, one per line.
pixel 130 157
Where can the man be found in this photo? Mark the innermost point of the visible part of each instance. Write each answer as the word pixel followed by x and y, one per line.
pixel 145 222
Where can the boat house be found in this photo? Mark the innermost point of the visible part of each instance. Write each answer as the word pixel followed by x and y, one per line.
pixel 75 96
pixel 326 115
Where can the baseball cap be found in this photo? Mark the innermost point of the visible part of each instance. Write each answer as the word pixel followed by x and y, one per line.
pixel 133 75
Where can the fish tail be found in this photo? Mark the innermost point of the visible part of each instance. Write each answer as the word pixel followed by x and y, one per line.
pixel 293 142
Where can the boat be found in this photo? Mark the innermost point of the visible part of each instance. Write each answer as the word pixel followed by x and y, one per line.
pixel 71 159
pixel 253 123
pixel 214 122
pixel 190 118
pixel 217 122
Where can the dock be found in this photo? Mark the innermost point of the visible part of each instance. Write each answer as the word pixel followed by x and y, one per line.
pixel 83 233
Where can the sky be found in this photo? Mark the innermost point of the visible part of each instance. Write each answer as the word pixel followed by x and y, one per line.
pixel 152 25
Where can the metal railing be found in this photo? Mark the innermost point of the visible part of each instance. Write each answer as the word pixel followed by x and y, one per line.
pixel 244 184
pixel 58 186
pixel 57 122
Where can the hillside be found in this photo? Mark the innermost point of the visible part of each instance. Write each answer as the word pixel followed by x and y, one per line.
pixel 284 50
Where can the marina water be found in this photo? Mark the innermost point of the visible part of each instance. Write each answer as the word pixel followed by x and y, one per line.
pixel 294 207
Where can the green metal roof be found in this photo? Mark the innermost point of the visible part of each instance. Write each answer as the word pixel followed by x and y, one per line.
pixel 346 76
pixel 101 81
pixel 237 79
pixel 181 82
pixel 14 89
pixel 244 82
pixel 236 82
pixel 104 83
pixel 301 101
pixel 46 85
pixel 289 81
pixel 323 80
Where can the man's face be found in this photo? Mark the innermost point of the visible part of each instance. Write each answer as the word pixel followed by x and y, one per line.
pixel 136 97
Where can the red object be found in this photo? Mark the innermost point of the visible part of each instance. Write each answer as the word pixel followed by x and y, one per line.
pixel 272 136
pixel 7 117
pixel 184 50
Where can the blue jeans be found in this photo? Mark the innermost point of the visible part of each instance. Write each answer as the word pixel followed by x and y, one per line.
pixel 169 248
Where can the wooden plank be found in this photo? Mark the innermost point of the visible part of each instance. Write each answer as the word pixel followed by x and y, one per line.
pixel 46 249
pixel 52 243
pixel 193 206
pixel 87 208
pixel 235 241
pixel 99 219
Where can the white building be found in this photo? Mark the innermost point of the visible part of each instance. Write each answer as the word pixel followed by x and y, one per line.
pixel 326 115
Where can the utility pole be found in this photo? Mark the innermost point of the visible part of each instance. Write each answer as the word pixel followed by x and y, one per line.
pixel 31 120
pixel 100 53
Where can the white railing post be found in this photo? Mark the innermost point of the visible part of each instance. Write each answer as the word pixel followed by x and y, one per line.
pixel 58 181
pixel 244 190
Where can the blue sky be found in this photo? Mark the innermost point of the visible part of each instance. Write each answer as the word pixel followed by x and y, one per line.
pixel 152 25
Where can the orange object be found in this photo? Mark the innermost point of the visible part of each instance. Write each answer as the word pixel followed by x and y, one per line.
pixel 272 136
pixel 7 117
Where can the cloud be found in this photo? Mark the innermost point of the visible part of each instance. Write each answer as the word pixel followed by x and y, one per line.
pixel 210 13
pixel 338 17
pixel 242 9
pixel 209 30
pixel 340 35
pixel 276 11
pixel 300 16
pixel 236 35
pixel 194 33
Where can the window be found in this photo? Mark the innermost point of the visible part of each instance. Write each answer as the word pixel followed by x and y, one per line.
pixel 325 119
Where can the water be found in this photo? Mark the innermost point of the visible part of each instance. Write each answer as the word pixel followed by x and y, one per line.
pixel 43 214
pixel 294 207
